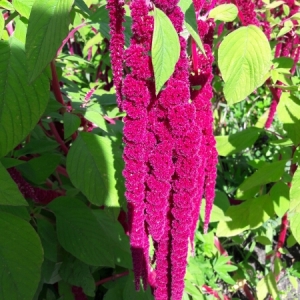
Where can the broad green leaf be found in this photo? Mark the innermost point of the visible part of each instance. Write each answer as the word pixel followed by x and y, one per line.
pixel 190 22
pixel 96 117
pixel 227 145
pixel 82 6
pixel 221 204
pixel 224 12
pixel 50 272
pixel 40 168
pixel 20 30
pixel 248 215
pixel 2 22
pixel 71 124
pixel 79 274
pixel 130 292
pixel 195 36
pixel 285 29
pixel 288 111
pixel 48 238
pixel 47 27
pixel 280 196
pixel 24 7
pixel 296 16
pixel 21 257
pixel 21 104
pixel 267 285
pixel 94 165
pixel 65 289
pixel 9 191
pixel 18 211
pixel 294 193
pixel 165 49
pixel 263 240
pixel 244 58
pixel 116 237
pixel 5 4
pixel 79 232
pixel 41 145
pixel 266 174
pixel 274 4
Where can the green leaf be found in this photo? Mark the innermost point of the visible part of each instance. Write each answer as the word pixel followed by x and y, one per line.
pixel 288 111
pixel 48 238
pixel 23 7
pixel 294 193
pixel 222 268
pixel 248 215
pixel 94 164
pixel 116 237
pixel 82 6
pixel 295 206
pixel 79 232
pixel 71 124
pixel 96 117
pixel 40 168
pixel 21 257
pixel 18 211
pixel 41 145
pixel 227 145
pixel 77 273
pixel 130 292
pixel 224 13
pixel 165 49
pixel 280 196
pixel 274 4
pixel 267 285
pixel 2 22
pixel 20 30
pixel 244 58
pixel 7 5
pixel 195 36
pixel 9 191
pixel 190 22
pixel 266 174
pixel 47 27
pixel 21 104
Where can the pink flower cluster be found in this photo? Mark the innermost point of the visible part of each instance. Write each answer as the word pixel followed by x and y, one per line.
pixel 169 153
pixel 117 41
pixel 37 194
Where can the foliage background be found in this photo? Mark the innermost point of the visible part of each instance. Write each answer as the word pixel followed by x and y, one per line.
pixel 61 149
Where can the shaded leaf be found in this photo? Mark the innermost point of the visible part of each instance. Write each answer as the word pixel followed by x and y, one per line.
pixel 92 163
pixel 227 145
pixel 47 27
pixel 21 104
pixel 79 232
pixel 21 257
pixel 9 191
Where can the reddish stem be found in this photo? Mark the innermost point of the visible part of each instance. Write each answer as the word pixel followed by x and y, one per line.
pixel 114 277
pixel 62 170
pixel 55 84
pixel 58 138
pixel 282 234
pixel 195 57
pixel 70 35
pixel 212 292
pixel 248 292
pixel 220 248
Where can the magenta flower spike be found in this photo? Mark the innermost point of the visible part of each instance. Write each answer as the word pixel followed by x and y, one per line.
pixel 117 42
